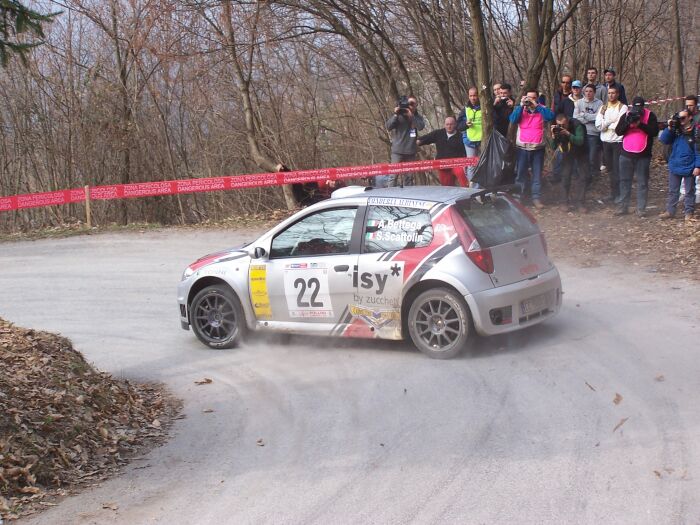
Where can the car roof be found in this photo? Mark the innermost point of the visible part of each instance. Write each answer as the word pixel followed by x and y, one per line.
pixel 421 193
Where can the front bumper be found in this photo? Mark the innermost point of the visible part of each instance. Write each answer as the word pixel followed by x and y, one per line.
pixel 509 298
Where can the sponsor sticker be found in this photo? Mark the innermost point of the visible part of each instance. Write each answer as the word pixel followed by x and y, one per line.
pixel 258 291
pixel 404 203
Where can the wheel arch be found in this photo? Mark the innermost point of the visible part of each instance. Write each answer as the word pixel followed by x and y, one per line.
pixel 211 280
pixel 419 288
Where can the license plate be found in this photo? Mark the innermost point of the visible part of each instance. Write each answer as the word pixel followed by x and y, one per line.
pixel 535 304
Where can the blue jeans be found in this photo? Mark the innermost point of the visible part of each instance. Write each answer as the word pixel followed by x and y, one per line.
pixel 472 151
pixel 637 167
pixel 530 159
pixel 389 181
pixel 385 181
pixel 674 188
pixel 594 147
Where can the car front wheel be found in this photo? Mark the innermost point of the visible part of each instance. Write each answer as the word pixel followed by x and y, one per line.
pixel 217 317
pixel 438 323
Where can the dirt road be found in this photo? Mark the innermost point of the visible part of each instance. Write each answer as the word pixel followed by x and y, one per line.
pixel 590 418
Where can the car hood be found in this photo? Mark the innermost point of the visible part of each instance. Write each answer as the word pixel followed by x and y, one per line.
pixel 225 255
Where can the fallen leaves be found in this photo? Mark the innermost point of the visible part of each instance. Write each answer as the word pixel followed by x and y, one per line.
pixel 63 422
pixel 618 399
pixel 260 442
pixel 204 381
pixel 657 246
pixel 110 505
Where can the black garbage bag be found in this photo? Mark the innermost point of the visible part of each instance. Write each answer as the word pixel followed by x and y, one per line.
pixel 496 165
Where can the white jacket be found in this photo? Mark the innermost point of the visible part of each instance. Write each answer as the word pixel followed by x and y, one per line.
pixel 606 121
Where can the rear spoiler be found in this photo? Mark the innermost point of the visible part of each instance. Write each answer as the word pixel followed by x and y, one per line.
pixel 508 188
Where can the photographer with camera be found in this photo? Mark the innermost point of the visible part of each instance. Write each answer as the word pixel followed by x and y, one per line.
pixel 530 118
pixel 683 163
pixel 569 140
pixel 403 126
pixel 638 128
pixel 502 108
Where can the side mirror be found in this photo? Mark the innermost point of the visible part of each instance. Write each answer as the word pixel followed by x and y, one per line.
pixel 259 252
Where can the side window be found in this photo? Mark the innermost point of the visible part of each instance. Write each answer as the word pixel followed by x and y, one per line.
pixel 390 228
pixel 323 233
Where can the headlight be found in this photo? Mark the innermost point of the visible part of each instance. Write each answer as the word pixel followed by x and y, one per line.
pixel 187 273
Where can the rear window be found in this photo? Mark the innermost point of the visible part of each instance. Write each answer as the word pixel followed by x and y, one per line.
pixel 495 220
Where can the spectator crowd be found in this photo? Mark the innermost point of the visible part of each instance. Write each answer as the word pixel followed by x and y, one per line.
pixel 591 130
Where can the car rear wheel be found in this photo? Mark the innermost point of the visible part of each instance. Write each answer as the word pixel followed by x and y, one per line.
pixel 217 317
pixel 438 323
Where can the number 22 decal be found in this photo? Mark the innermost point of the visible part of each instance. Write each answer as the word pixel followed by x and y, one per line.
pixel 314 285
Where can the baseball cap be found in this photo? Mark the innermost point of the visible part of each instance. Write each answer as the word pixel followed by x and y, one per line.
pixel 577 83
pixel 638 101
pixel 609 69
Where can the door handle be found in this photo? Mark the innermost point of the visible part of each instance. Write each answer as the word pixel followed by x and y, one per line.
pixel 341 268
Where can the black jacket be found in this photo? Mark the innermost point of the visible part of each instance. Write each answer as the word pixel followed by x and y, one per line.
pixel 447 148
pixel 501 112
pixel 651 128
pixel 563 104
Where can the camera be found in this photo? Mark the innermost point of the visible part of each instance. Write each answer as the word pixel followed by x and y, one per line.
pixel 634 115
pixel 402 104
pixel 528 103
pixel 675 122
pixel 556 129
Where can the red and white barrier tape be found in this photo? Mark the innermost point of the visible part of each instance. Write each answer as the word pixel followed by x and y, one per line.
pixel 255 180
pixel 663 100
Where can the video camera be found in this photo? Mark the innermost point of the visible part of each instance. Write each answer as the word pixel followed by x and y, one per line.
pixel 675 122
pixel 634 114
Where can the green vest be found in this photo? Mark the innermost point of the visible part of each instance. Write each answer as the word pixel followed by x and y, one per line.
pixel 474 132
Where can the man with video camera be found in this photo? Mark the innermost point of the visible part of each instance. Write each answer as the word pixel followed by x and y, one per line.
pixel 530 118
pixel 683 163
pixel 637 127
pixel 403 127
pixel 569 139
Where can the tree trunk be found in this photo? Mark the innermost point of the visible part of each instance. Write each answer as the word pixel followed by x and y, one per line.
pixel 677 50
pixel 483 76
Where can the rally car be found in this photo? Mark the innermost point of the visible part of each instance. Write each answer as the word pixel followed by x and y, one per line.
pixel 434 264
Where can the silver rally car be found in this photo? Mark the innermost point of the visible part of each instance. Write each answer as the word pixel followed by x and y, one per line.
pixel 432 263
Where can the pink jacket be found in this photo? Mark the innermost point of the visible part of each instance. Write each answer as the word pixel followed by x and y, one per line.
pixel 530 131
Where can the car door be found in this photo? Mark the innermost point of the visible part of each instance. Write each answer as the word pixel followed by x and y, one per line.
pixel 393 241
pixel 309 272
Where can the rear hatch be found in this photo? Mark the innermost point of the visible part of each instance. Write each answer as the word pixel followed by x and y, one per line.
pixel 509 232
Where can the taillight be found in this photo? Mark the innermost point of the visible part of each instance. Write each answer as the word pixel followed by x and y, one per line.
pixel 481 257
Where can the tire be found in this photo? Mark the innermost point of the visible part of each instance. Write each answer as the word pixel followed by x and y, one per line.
pixel 439 323
pixel 217 318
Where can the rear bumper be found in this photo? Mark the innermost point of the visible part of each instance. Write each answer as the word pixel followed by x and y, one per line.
pixel 484 304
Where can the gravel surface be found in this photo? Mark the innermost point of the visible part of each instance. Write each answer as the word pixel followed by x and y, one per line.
pixel 589 418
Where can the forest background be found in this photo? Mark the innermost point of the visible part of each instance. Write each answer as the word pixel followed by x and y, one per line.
pixel 127 91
